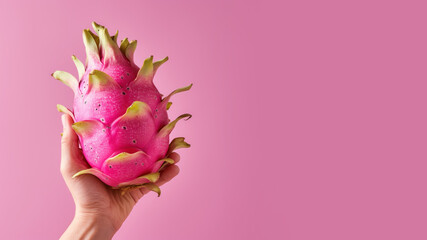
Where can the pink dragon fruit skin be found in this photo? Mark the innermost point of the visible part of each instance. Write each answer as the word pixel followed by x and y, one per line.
pixel 120 116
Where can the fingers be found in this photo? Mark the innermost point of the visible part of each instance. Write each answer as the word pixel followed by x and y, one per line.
pixel 136 194
pixel 175 156
pixel 170 171
pixel 166 174
pixel 69 137
pixel 71 156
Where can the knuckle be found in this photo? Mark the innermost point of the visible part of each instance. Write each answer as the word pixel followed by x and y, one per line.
pixel 64 169
pixel 65 140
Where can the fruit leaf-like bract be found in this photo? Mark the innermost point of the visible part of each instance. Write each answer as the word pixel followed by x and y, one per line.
pixel 120 117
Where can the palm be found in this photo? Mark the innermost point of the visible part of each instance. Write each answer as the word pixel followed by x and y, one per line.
pixel 93 196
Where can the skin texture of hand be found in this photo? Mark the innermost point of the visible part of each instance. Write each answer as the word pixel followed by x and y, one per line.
pixel 100 210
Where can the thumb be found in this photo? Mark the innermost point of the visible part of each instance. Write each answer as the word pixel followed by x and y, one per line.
pixel 71 155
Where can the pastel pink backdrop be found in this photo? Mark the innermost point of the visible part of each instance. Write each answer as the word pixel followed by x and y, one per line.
pixel 309 116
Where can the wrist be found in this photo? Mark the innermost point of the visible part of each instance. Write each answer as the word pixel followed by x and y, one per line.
pixel 89 226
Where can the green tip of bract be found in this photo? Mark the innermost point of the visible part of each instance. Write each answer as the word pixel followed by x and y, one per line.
pixel 147 68
pixel 63 109
pixel 67 79
pixel 177 143
pixel 150 186
pixel 100 81
pixel 81 127
pixel 170 126
pixel 108 44
pixel 114 38
pixel 157 64
pixel 123 45
pixel 87 127
pixel 168 105
pixel 140 181
pixel 82 172
pixel 130 50
pixel 100 77
pixel 166 99
pixel 91 42
pixel 137 108
pixel 165 162
pixel 152 177
pixel 169 160
pixel 187 88
pixel 60 108
pixel 79 65
pixel 125 157
pixel 153 187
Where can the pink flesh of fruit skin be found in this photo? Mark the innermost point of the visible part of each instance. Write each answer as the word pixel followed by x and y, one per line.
pixel 120 116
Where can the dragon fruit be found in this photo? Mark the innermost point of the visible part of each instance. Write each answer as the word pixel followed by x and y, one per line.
pixel 120 117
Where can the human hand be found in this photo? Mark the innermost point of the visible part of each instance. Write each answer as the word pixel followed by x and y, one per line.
pixel 100 210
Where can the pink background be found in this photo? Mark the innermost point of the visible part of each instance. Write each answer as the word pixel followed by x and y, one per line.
pixel 309 116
